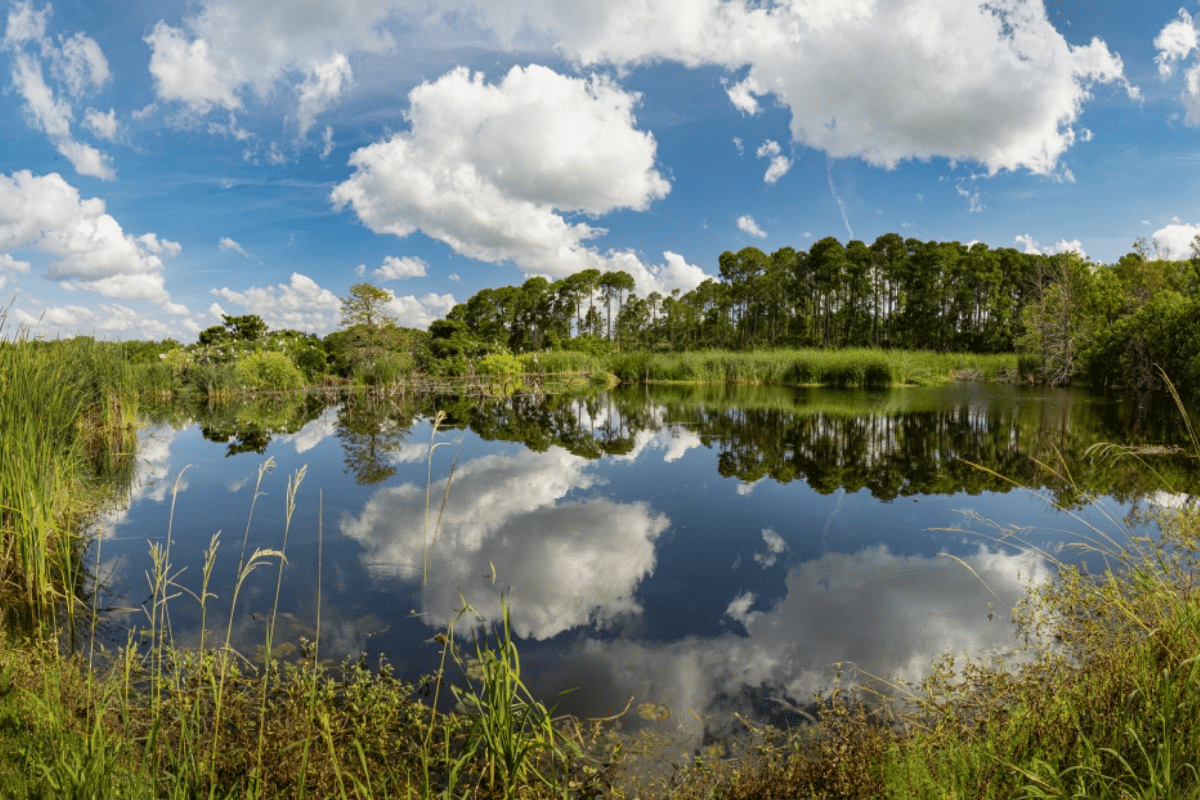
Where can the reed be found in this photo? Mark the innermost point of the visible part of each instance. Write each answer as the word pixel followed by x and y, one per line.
pixel 559 362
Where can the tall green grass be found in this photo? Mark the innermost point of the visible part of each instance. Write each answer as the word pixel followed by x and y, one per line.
pixel 852 367
pixel 66 434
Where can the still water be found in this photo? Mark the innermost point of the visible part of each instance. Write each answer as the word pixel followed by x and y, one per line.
pixel 709 549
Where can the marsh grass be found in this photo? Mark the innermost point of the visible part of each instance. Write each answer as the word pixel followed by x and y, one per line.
pixel 67 434
pixel 852 367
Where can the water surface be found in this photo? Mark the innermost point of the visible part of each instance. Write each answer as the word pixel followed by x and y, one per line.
pixel 709 549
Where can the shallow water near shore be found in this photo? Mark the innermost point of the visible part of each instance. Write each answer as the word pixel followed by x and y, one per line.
pixel 706 549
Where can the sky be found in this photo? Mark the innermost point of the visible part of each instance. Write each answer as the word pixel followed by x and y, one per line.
pixel 164 163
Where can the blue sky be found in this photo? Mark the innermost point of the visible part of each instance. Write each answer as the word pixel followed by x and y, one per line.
pixel 163 163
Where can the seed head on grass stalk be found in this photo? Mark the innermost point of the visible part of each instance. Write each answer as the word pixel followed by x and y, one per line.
pixel 430 544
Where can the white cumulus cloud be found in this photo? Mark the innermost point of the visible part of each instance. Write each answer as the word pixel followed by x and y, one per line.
pixel 1175 240
pixel 24 25
pixel 418 312
pixel 490 169
pixel 780 164
pixel 229 48
pixel 106 320
pixel 394 269
pixel 78 65
pixel 88 248
pixel 742 99
pixel 1063 246
pixel 103 126
pixel 326 82
pixel 1175 42
pixel 883 80
pixel 7 262
pixel 299 304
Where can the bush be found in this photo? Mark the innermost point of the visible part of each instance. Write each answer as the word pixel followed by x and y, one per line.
pixel 502 369
pixel 268 371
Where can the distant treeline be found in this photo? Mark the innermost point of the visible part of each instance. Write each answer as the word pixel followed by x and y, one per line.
pixel 1069 319
pixel 1072 318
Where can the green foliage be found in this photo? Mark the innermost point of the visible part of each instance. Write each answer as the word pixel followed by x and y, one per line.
pixel 374 356
pixel 215 381
pixel 248 328
pixel 366 305
pixel 142 352
pixel 502 371
pixel 895 294
pixel 371 348
pixel 589 344
pixel 561 362
pixel 1165 332
pixel 451 347
pixel 268 371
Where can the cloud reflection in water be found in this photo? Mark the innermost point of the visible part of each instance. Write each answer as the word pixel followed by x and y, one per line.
pixel 563 563
pixel 886 614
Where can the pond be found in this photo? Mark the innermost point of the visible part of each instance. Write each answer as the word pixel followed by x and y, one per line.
pixel 709 549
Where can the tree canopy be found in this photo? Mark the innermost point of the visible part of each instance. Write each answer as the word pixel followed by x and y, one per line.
pixel 366 304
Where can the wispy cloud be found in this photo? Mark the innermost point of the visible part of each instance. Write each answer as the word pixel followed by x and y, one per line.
pixel 833 191
pixel 746 223
pixel 229 244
